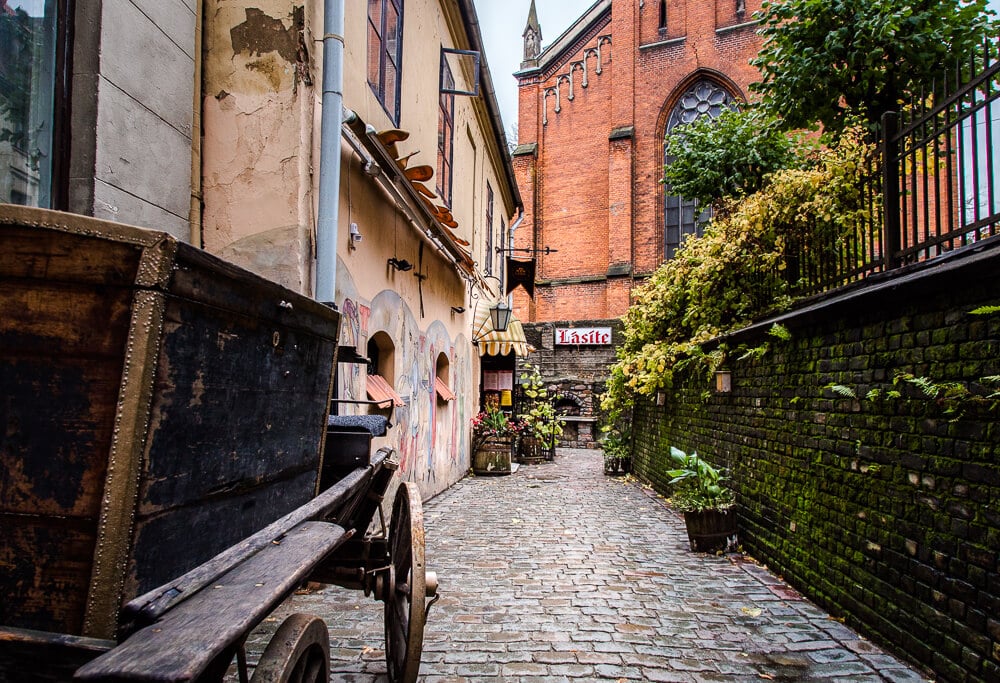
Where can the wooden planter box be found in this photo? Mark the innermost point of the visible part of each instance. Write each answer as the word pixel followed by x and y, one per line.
pixel 711 530
pixel 530 449
pixel 493 457
pixel 160 405
pixel 617 466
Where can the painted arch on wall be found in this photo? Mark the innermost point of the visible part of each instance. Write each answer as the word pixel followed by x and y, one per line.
pixel 430 436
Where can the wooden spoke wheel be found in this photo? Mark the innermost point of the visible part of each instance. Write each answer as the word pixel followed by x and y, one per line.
pixel 404 586
pixel 299 652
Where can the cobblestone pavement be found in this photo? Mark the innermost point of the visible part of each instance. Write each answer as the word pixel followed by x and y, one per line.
pixel 559 573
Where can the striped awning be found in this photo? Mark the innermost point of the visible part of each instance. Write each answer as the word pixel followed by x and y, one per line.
pixel 379 390
pixel 493 343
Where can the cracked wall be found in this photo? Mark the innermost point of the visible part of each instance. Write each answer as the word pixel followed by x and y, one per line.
pixel 256 155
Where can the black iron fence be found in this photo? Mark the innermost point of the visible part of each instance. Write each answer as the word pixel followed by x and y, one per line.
pixel 932 187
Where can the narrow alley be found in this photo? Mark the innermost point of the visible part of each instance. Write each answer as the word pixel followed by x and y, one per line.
pixel 560 573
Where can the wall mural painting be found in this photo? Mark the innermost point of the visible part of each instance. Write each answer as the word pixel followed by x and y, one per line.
pixel 354 319
pixel 432 450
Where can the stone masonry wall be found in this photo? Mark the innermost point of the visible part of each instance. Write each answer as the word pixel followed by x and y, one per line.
pixel 576 373
pixel 886 512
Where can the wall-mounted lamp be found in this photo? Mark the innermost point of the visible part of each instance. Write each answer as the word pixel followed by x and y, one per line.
pixel 500 316
pixel 723 381
pixel 400 264
pixel 661 398
pixel 458 310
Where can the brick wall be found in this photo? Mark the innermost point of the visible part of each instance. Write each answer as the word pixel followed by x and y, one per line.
pixel 885 512
pixel 591 189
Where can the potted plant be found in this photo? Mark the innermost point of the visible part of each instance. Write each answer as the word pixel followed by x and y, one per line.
pixel 708 505
pixel 616 447
pixel 493 435
pixel 542 426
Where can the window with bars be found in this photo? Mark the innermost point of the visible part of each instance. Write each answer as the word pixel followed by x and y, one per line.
pixel 385 52
pixel 446 133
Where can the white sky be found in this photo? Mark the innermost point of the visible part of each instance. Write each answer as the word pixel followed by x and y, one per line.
pixel 502 22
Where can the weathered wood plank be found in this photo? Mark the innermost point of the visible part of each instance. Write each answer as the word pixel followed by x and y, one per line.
pixel 37 656
pixel 329 504
pixel 57 257
pixel 44 572
pixel 189 637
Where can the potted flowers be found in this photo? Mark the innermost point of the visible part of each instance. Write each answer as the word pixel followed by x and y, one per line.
pixel 493 435
pixel 708 505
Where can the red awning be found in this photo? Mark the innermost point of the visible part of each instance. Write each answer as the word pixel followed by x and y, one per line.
pixel 443 392
pixel 379 390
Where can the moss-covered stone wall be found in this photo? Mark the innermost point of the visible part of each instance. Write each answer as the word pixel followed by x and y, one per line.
pixel 884 510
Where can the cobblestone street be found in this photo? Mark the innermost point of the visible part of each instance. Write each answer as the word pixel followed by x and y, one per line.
pixel 560 573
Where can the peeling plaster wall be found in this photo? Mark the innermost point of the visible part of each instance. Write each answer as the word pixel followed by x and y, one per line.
pixel 431 438
pixel 257 114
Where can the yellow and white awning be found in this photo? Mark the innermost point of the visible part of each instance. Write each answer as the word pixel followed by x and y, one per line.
pixel 493 343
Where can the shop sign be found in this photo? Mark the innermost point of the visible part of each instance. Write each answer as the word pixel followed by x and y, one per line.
pixel 575 336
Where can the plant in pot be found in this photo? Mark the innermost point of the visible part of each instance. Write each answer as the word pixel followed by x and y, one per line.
pixel 493 435
pixel 617 452
pixel 708 505
pixel 542 426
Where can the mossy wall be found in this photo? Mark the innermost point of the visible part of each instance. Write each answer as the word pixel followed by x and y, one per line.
pixel 886 512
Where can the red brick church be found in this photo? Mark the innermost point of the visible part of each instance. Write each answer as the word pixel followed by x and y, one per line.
pixel 594 107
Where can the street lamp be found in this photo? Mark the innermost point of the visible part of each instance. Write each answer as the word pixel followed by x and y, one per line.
pixel 500 316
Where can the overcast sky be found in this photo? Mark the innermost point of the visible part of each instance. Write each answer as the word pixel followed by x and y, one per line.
pixel 502 23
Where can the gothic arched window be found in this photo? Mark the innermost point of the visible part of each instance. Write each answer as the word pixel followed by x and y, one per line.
pixel 682 216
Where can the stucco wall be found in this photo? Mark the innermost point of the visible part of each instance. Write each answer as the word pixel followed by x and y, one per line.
pixel 431 437
pixel 257 150
pixel 133 89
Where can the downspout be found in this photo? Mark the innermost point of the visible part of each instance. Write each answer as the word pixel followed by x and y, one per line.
pixel 329 160
pixel 194 213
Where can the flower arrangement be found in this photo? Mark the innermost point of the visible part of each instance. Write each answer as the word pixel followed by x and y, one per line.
pixel 493 423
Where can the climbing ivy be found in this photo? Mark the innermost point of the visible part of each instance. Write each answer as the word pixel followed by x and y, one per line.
pixel 738 271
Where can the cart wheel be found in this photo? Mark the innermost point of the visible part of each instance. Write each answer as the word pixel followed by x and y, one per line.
pixel 405 586
pixel 299 652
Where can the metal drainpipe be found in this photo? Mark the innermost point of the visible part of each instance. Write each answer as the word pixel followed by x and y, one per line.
pixel 328 209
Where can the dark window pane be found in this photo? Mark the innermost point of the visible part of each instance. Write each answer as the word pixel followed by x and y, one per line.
pixel 27 101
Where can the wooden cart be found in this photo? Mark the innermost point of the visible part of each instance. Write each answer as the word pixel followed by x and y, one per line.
pixel 162 446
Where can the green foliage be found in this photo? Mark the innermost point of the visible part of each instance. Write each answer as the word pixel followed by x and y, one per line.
pixel 821 59
pixel 698 485
pixel 745 266
pixel 780 332
pixel 617 446
pixel 726 157
pixel 985 310
pixel 842 391
pixel 492 424
pixel 541 420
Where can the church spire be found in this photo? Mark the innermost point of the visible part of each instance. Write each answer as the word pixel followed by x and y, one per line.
pixel 532 35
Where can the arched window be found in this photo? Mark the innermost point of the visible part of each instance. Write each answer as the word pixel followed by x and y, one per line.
pixel 663 15
pixel 682 216
pixel 382 372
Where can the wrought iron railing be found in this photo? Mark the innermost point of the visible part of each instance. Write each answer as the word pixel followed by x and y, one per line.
pixel 932 187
